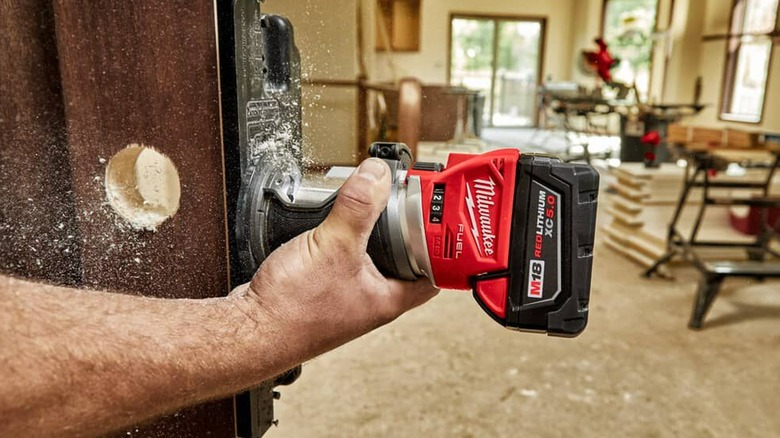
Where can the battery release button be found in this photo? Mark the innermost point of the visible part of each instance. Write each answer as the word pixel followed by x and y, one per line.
pixel 492 293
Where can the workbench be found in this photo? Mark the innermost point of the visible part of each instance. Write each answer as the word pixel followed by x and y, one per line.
pixel 702 163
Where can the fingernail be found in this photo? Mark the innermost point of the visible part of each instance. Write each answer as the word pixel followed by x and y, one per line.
pixel 372 168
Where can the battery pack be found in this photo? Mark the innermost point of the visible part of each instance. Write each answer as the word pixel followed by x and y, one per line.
pixel 546 287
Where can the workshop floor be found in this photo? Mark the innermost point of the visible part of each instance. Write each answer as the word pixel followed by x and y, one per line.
pixel 446 370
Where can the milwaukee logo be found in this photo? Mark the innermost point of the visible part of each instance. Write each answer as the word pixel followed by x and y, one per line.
pixel 482 229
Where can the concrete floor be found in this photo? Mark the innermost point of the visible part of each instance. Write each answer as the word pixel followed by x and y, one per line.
pixel 446 370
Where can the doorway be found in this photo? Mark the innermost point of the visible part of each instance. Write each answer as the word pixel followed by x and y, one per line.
pixel 502 58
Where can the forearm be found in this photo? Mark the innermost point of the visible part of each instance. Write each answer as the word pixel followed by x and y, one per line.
pixel 90 362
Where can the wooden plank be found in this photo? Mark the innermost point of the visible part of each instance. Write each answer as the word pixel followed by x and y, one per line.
pixel 755 155
pixel 636 256
pixel 708 136
pixel 678 134
pixel 639 240
pixel 626 204
pixel 38 235
pixel 624 171
pixel 638 170
pixel 741 139
pixel 628 219
pixel 626 250
pixel 146 72
pixel 629 192
pixel 632 182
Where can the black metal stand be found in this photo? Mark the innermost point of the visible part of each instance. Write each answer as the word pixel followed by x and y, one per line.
pixel 697 174
pixel 709 286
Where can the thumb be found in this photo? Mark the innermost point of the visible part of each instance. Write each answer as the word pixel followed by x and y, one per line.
pixel 358 205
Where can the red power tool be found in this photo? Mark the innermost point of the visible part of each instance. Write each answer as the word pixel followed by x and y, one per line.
pixel 517 229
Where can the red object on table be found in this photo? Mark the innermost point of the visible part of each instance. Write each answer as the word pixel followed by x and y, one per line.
pixel 602 60
pixel 652 138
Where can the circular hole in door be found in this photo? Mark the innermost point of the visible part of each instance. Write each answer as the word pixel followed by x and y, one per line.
pixel 142 186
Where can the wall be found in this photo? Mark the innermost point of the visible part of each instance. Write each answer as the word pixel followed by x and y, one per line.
pixel 430 63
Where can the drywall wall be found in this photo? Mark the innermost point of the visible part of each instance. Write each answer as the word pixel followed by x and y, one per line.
pixel 326 34
pixel 430 63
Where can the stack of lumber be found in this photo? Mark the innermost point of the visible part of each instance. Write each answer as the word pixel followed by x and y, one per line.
pixel 713 137
pixel 640 203
pixel 632 190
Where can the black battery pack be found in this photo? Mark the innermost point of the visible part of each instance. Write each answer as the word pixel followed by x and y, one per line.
pixel 551 255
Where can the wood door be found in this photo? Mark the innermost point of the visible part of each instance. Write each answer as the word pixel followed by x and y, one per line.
pixel 38 234
pixel 81 80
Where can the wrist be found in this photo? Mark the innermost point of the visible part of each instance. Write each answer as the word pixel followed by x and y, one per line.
pixel 261 346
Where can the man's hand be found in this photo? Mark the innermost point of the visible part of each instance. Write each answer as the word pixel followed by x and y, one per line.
pixel 322 288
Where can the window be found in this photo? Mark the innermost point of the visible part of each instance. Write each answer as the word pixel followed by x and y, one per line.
pixel 502 58
pixel 628 30
pixel 748 50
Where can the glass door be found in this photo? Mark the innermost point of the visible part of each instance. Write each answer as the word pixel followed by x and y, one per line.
pixel 471 58
pixel 501 57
